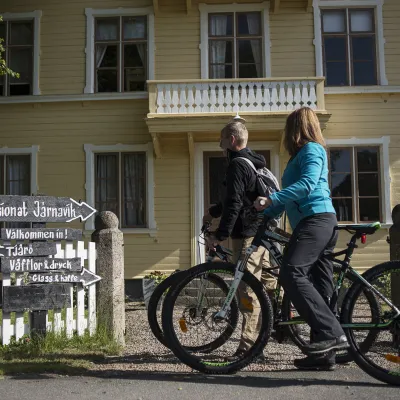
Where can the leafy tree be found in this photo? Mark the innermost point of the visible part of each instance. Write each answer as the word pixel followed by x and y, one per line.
pixel 3 66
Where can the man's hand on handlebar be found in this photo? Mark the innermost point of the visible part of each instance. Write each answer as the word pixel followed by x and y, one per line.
pixel 261 203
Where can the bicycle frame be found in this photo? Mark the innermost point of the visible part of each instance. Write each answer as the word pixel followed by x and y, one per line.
pixel 267 239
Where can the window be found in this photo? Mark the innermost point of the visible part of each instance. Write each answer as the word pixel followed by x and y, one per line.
pixel 235 41
pixel 119 50
pixel 120 187
pixel 15 179
pixel 121 54
pixel 120 179
pixel 18 46
pixel 355 181
pixel 235 45
pixel 349 46
pixel 20 34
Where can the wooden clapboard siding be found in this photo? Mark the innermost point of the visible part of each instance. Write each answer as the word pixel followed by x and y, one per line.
pixel 391 20
pixel 62 129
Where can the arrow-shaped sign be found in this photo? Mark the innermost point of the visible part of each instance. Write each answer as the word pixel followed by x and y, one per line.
pixel 85 277
pixel 39 264
pixel 29 250
pixel 43 209
pixel 55 234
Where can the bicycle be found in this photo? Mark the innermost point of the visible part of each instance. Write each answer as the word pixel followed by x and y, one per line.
pixel 156 300
pixel 374 315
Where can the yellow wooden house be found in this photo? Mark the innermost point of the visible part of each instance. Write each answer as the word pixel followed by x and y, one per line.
pixel 120 103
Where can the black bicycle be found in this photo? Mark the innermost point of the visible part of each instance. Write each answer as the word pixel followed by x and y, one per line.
pixel 189 314
pixel 369 317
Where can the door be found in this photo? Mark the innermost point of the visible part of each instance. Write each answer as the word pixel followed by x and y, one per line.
pixel 214 175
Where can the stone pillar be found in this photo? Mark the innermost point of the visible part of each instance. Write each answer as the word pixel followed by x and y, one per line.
pixel 110 266
pixel 394 240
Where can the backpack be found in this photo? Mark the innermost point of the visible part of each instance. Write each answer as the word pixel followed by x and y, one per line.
pixel 266 182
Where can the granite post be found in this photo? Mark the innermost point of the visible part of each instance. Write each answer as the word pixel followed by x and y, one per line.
pixel 110 266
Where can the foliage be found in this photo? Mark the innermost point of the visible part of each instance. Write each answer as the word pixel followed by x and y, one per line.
pixel 4 70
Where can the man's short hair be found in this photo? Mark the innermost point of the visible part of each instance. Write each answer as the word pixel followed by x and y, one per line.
pixel 238 130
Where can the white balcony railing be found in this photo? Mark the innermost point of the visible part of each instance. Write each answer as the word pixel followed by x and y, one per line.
pixel 231 96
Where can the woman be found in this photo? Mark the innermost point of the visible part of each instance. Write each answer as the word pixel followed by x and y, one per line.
pixel 305 196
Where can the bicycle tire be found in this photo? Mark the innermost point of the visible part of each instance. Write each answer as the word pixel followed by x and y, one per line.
pixel 359 355
pixel 296 337
pixel 344 356
pixel 169 282
pixel 190 359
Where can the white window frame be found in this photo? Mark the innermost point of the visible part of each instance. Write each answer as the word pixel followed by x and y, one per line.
pixel 33 151
pixel 383 144
pixel 377 5
pixel 91 150
pixel 91 14
pixel 206 9
pixel 35 16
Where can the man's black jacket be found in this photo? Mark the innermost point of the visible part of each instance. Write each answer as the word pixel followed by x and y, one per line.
pixel 240 194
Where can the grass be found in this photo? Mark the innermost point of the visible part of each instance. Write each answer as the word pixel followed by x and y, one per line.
pixel 56 353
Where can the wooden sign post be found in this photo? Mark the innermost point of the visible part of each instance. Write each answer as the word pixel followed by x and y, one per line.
pixel 47 284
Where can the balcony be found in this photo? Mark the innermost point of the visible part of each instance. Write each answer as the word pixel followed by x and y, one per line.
pixel 264 103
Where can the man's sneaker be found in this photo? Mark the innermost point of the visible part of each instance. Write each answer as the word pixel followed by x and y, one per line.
pixel 340 343
pixel 316 363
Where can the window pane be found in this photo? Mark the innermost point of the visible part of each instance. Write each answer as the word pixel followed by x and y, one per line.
pixel 221 71
pixel 221 25
pixel 336 74
pixel 216 176
pixel 20 61
pixel 221 52
pixel 249 70
pixel 18 175
pixel 106 55
pixel 1 85
pixel 249 24
pixel 369 210
pixel 363 48
pixel 134 79
pixel 334 21
pixel 3 32
pixel 367 159
pixel 344 209
pixel 107 183
pixel 361 21
pixel 249 51
pixel 21 33
pixel 335 48
pixel 340 160
pixel 341 185
pixel 134 190
pixel 135 28
pixel 107 29
pixel 368 185
pixel 135 55
pixel 364 73
pixel 107 80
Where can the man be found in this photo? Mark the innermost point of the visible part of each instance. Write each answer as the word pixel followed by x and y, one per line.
pixel 241 191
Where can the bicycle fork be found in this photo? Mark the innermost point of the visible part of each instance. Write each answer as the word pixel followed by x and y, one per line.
pixel 239 272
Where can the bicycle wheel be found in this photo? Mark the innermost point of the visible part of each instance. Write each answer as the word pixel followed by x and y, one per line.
pixel 155 305
pixel 381 358
pixel 300 332
pixel 182 333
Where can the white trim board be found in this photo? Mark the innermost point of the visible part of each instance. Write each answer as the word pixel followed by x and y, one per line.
pixel 92 13
pixel 199 149
pixel 383 143
pixel 90 150
pixel 33 151
pixel 205 9
pixel 73 97
pixel 380 39
pixel 35 16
